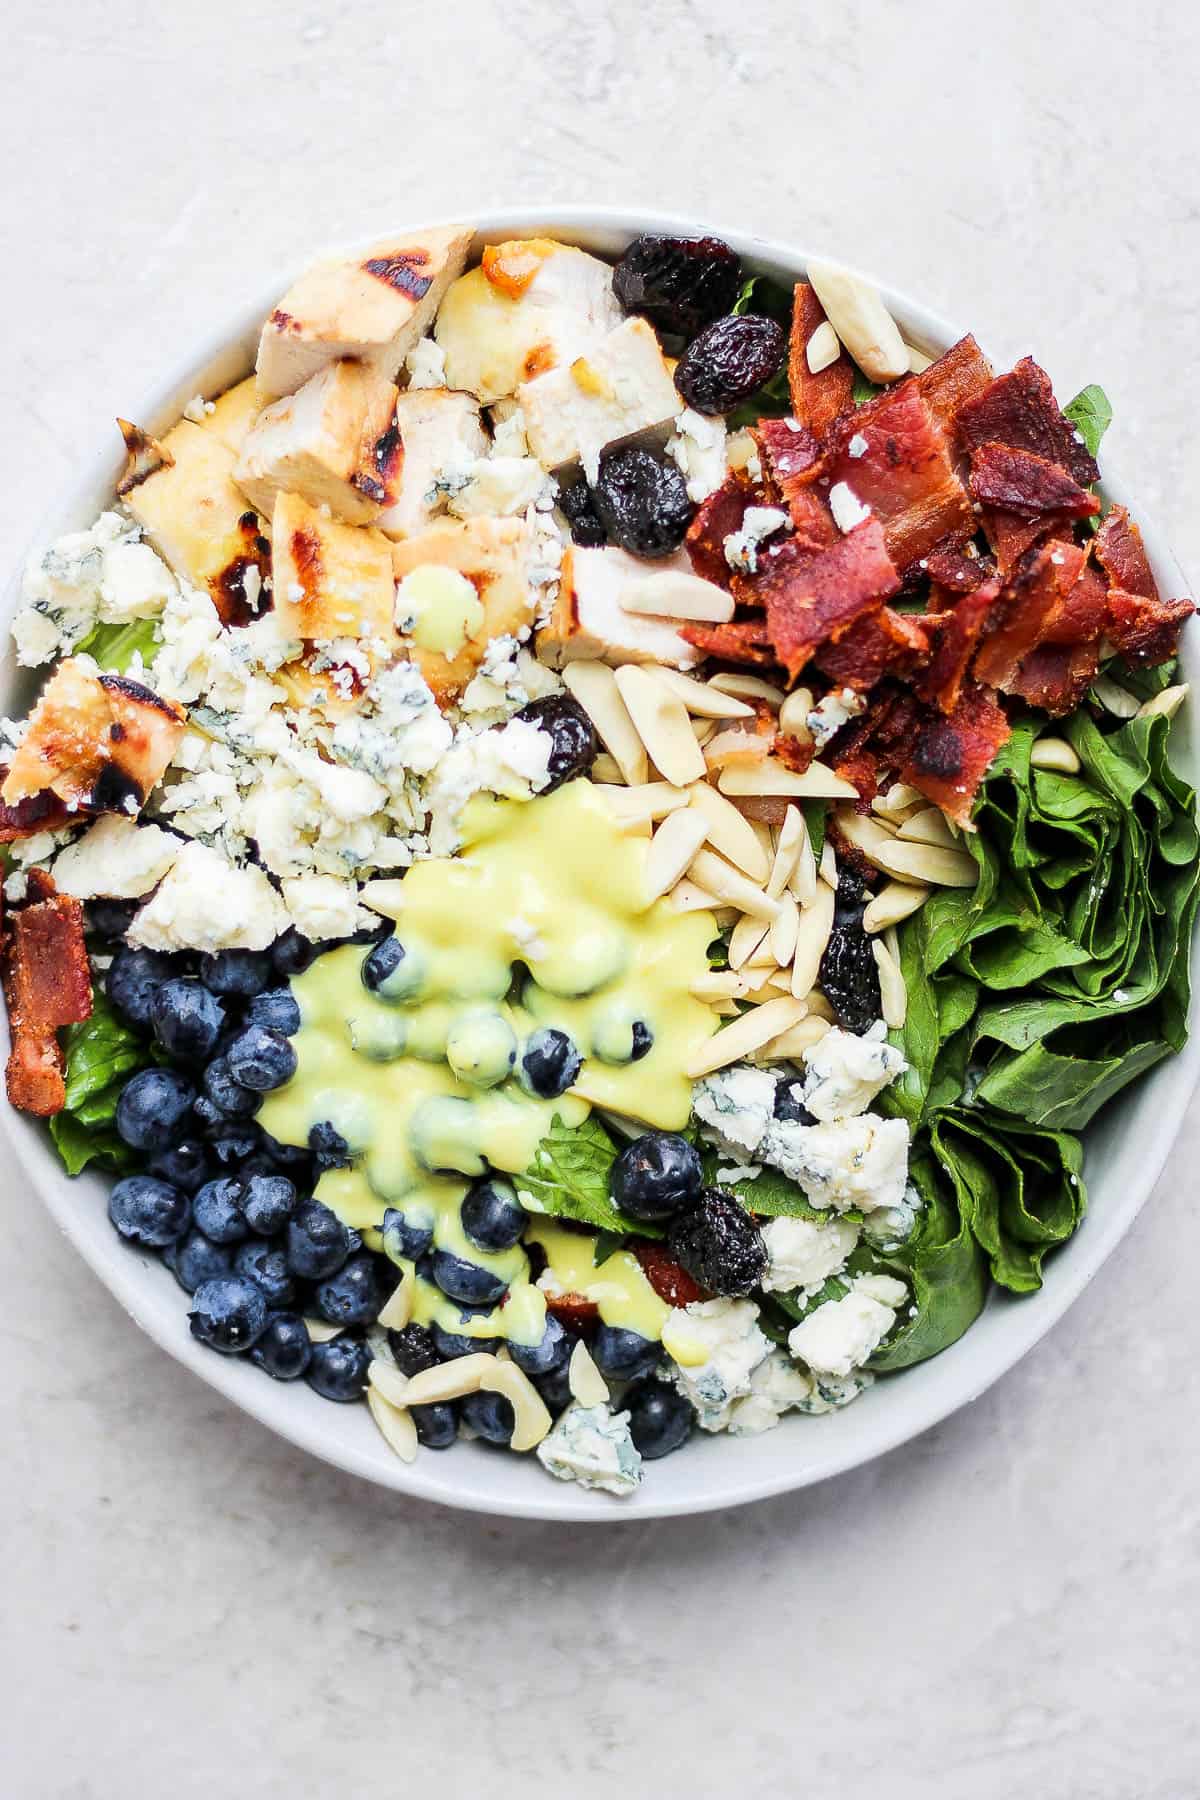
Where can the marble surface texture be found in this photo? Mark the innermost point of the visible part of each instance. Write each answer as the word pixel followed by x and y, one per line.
pixel 1010 1604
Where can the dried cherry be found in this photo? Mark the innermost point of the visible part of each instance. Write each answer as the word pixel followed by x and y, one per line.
pixel 679 284
pixel 576 503
pixel 642 501
pixel 573 740
pixel 729 361
pixel 849 976
pixel 718 1244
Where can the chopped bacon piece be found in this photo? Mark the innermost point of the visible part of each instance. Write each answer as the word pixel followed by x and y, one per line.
pixel 40 812
pixel 1079 616
pixel 872 746
pixel 813 595
pixel 895 458
pixel 884 643
pixel 47 984
pixel 1020 482
pixel 669 1281
pixel 1019 409
pixel 951 755
pixel 956 377
pixel 1027 606
pixel 1057 676
pixel 955 635
pixel 746 641
pixel 817 400
pixel 1011 536
pixel 952 565
pixel 1145 632
pixel 716 517
pixel 791 460
pixel 1122 554
pixel 795 753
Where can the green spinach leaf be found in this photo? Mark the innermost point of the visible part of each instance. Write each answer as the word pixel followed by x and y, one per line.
pixel 568 1179
pixel 1090 412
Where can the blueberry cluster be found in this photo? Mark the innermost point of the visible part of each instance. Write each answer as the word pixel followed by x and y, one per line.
pixel 659 1178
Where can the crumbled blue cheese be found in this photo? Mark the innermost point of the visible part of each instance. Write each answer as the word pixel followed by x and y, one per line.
pixel 777 1386
pixel 117 859
pixel 735 1106
pixel 513 760
pixel 508 678
pixel 497 487
pixel 426 364
pixel 845 1072
pixel 697 447
pixel 205 903
pixel 832 712
pixel 758 524
pixel 591 1445
pixel 804 1253
pixel 105 575
pixel 841 1335
pixel 843 1164
pixel 715 1346
pixel 847 509
pixel 322 906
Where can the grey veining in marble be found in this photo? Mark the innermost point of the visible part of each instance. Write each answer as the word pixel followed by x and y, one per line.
pixel 1008 1606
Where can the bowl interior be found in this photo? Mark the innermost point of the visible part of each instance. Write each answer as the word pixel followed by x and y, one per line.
pixel 1125 1148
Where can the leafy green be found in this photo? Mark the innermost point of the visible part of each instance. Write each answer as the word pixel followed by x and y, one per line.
pixel 568 1178
pixel 763 294
pixel 115 646
pixel 1090 412
pixel 944 1266
pixel 101 1052
pixel 864 388
pixel 771 1194
pixel 816 814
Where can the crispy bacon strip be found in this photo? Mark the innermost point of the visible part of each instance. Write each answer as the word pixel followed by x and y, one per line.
pixel 716 518
pixel 1057 676
pixel 954 635
pixel 959 375
pixel 1145 632
pixel 1020 482
pixel 873 746
pixel 811 596
pixel 791 458
pixel 794 753
pixel 951 754
pixel 1019 409
pixel 746 641
pixel 1027 607
pixel 1011 536
pixel 47 984
pixel 1122 555
pixel 895 458
pixel 952 565
pixel 817 400
pixel 40 812
pixel 884 643
pixel 1079 616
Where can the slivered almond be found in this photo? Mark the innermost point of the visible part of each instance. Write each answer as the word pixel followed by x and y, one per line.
pixel 398 1310
pixel 652 800
pixel 531 1420
pixel 1114 697
pixel 672 850
pixel 321 1332
pixel 662 724
pixel 926 864
pixel 674 594
pixel 861 320
pixel 387 1380
pixel 766 990
pixel 893 996
pixel 1055 753
pixel 748 687
pixel 450 1380
pixel 747 1033
pixel 703 729
pixel 584 1379
pixel 383 897
pixel 728 832
pixel 899 797
pixel 894 902
pixel 803 879
pixel 795 1042
pixel 748 934
pixel 816 923
pixel 740 450
pixel 721 878
pixel 594 685
pixel 702 698
pixel 718 984
pixel 818 1005
pixel 930 827
pixel 918 361
pixel 793 714
pixel 789 846
pixel 606 768
pixel 1168 702
pixel 784 930
pixel 735 746
pixel 395 1425
pixel 828 870
pixel 816 783
pixel 823 348
pixel 688 897
pixel 726 1009
pixel 761 957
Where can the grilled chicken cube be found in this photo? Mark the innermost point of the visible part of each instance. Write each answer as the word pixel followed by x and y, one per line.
pixel 531 306
pixel 589 620
pixel 331 580
pixel 98 742
pixel 617 390
pixel 334 442
pixel 372 306
pixel 440 430
pixel 187 504
pixel 232 415
pixel 492 555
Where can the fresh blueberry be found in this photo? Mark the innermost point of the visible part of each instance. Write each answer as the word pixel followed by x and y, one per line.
pixel 329 1148
pixel 147 1211
pixel 231 1148
pixel 383 961
pixel 217 1210
pixel 276 1010
pixel 195 1259
pixel 452 1344
pixel 187 1019
pixel 660 1419
pixel 291 954
pixel 267 1268
pixel 789 1105
pixel 268 1202
pixel 550 1062
pixel 338 1369
pixel 643 1040
pixel 624 1354
pixel 437 1424
pixel 491 1415
pixel 655 1175
pixel 110 919
pixel 238 974
pixel 492 1215
pixel 351 1296
pixel 284 1348
pixel 466 1281
pixel 555 1388
pixel 317 1241
pixel 413 1349
pixel 185 1165
pixel 229 1314
pixel 553 1350
pixel 286 1156
pixel 152 1107
pixel 404 1238
pixel 260 1059
pixel 131 982
pixel 228 1094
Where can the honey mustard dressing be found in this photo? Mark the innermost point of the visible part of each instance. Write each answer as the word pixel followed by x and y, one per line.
pixel 542 920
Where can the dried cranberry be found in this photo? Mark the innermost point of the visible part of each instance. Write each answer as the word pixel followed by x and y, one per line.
pixel 849 977
pixel 573 740
pixel 679 284
pixel 729 361
pixel 718 1244
pixel 642 501
pixel 576 503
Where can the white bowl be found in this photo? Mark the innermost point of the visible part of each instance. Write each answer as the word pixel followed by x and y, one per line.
pixel 1126 1148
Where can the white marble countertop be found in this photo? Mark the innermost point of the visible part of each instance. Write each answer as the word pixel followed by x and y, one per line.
pixel 1010 1604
